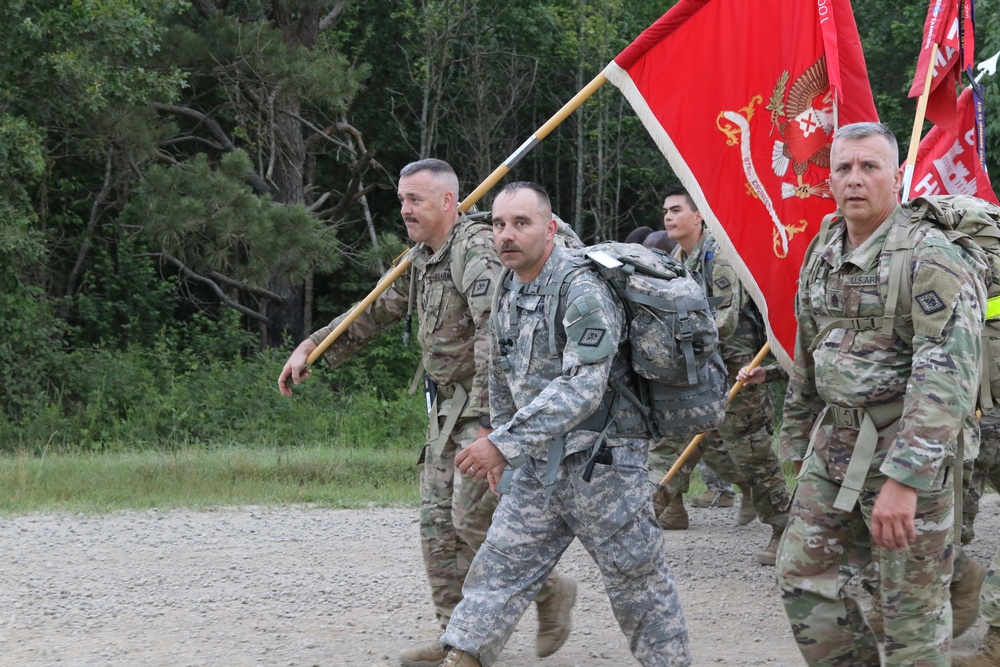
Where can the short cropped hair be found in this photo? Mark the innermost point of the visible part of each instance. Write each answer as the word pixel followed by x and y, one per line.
pixel 430 164
pixel 680 190
pixel 868 129
pixel 543 196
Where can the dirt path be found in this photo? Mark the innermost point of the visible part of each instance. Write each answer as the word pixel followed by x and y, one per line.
pixel 301 587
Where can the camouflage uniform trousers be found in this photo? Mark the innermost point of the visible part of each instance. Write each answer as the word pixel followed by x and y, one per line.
pixel 455 515
pixel 739 451
pixel 985 469
pixel 712 480
pixel 989 596
pixel 823 547
pixel 612 517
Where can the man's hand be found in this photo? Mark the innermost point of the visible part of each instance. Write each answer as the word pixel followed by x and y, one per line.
pixel 755 376
pixel 479 458
pixel 297 367
pixel 892 518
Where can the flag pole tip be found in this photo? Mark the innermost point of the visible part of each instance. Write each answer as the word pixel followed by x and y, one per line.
pixel 989 66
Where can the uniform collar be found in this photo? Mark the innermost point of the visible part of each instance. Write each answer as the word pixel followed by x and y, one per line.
pixel 839 252
pixel 422 252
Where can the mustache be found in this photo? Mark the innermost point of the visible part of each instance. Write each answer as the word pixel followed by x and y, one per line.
pixel 508 246
pixel 409 218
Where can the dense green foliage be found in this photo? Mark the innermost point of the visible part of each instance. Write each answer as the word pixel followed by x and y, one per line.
pixel 191 186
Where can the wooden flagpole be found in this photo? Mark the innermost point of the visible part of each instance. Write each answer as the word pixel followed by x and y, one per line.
pixel 918 125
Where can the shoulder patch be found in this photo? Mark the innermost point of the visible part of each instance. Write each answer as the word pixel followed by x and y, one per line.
pixel 592 337
pixel 722 282
pixel 481 287
pixel 930 302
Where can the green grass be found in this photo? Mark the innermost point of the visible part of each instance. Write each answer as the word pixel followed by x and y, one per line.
pixel 200 478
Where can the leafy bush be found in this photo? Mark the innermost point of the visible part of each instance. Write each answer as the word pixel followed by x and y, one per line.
pixel 160 397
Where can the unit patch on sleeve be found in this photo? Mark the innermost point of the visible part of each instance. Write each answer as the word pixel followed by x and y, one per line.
pixel 481 287
pixel 722 282
pixel 930 302
pixel 592 337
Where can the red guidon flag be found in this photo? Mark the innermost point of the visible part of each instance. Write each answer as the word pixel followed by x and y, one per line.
pixel 743 99
pixel 949 25
pixel 948 164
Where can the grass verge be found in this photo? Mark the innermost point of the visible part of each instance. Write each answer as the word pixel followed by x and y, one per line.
pixel 199 478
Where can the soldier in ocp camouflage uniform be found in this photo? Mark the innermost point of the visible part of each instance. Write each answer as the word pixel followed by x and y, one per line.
pixel 985 468
pixel 740 451
pixel 544 403
pixel 987 654
pixel 885 416
pixel 455 268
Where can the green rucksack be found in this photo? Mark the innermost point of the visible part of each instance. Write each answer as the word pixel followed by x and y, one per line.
pixel 970 222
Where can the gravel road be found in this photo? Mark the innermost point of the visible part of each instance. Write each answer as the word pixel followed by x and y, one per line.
pixel 300 586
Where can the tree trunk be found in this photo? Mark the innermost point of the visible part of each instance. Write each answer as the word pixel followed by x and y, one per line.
pixel 288 159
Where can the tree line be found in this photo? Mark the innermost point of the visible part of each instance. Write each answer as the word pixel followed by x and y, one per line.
pixel 218 176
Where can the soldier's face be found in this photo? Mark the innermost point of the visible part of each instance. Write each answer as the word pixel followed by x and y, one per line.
pixel 523 232
pixel 865 180
pixel 681 222
pixel 424 203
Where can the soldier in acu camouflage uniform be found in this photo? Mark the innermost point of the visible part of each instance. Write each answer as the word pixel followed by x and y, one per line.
pixel 565 482
pixel 455 268
pixel 740 451
pixel 884 417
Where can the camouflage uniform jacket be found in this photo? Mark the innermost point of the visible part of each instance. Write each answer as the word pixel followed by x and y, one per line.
pixel 454 290
pixel 936 376
pixel 739 337
pixel 538 395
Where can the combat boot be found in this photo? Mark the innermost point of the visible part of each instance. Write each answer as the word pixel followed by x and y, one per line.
pixel 456 658
pixel 769 554
pixel 965 597
pixel 661 498
pixel 675 517
pixel 554 615
pixel 430 654
pixel 987 655
pixel 713 499
pixel 747 513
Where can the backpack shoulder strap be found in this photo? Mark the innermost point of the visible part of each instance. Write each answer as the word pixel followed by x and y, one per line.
pixel 558 287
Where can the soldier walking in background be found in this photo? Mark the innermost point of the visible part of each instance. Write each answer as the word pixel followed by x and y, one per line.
pixel 455 269
pixel 740 451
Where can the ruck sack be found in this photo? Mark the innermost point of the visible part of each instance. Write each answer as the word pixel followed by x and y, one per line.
pixel 681 378
pixel 970 222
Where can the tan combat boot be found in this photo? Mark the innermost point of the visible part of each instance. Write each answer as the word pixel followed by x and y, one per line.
pixel 965 598
pixel 747 513
pixel 554 615
pixel 987 655
pixel 458 658
pixel 661 498
pixel 712 499
pixel 769 554
pixel 675 517
pixel 430 654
